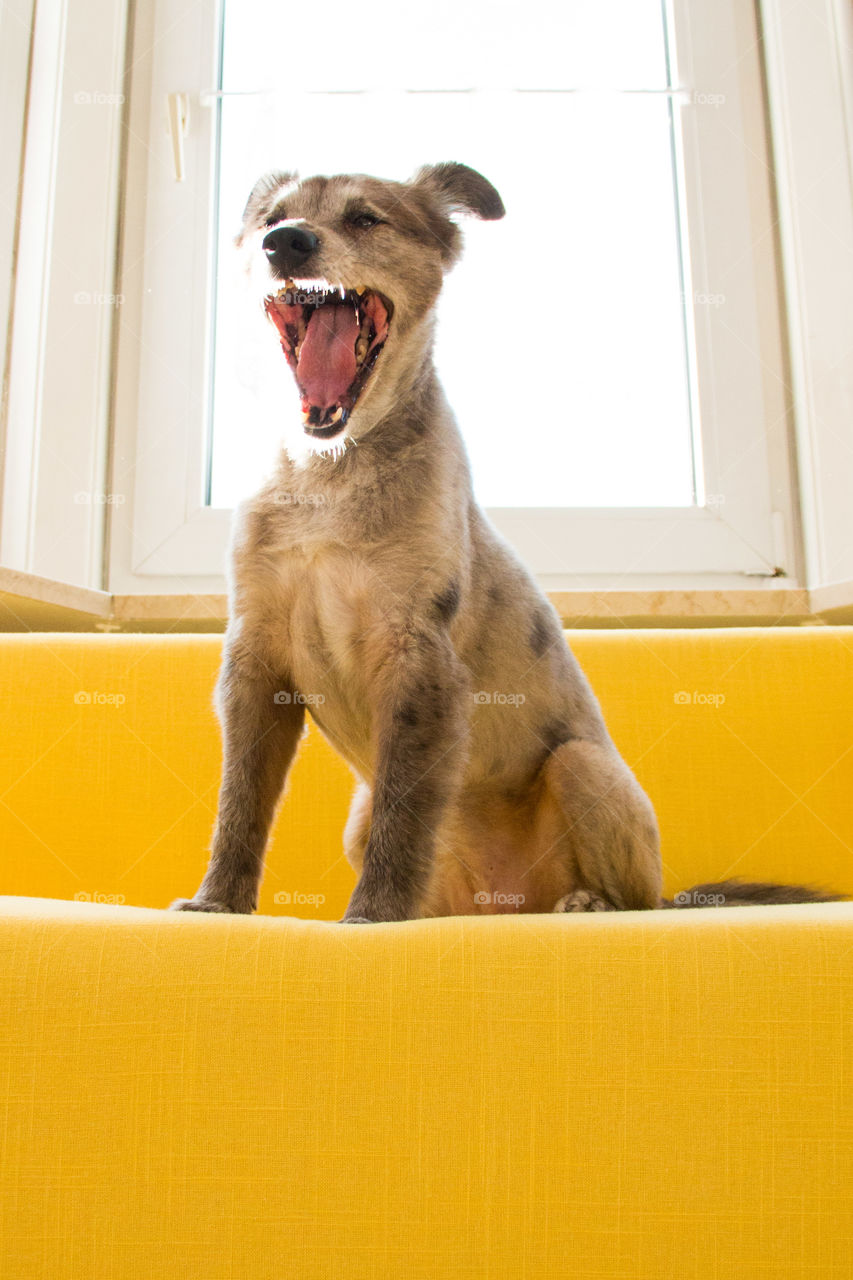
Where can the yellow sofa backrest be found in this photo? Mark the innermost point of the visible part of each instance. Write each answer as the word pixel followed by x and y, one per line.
pixel 109 766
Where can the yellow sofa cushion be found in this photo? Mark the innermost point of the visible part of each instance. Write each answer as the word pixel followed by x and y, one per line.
pixel 109 765
pixel 647 1096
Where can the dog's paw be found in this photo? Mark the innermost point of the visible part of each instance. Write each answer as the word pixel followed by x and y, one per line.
pixel 201 904
pixel 583 900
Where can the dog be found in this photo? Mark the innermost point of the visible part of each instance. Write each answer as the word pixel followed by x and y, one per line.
pixel 367 586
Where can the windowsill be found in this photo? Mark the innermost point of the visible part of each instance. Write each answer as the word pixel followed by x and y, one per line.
pixel 31 603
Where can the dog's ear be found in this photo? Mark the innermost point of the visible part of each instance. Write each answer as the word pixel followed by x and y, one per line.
pixel 262 197
pixel 460 190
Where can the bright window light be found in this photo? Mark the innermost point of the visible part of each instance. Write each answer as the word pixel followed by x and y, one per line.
pixel 561 337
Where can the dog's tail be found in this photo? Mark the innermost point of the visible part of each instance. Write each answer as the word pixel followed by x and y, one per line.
pixel 749 893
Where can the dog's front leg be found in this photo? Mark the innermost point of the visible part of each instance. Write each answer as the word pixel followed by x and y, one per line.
pixel 261 722
pixel 422 728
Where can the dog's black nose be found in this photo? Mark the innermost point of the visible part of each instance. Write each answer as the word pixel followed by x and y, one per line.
pixel 288 248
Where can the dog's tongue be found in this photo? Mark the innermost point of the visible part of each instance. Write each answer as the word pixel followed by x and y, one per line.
pixel 327 363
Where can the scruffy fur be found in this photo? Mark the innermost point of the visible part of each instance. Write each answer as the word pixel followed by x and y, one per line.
pixel 366 584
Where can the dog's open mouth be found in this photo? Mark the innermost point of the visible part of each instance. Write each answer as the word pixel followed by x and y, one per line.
pixel 332 338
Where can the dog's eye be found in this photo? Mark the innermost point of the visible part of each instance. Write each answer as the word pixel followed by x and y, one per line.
pixel 274 221
pixel 363 220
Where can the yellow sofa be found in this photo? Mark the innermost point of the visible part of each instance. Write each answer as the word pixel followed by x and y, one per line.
pixel 646 1095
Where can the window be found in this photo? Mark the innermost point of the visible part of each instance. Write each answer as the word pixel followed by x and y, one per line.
pixel 561 333
pixel 612 349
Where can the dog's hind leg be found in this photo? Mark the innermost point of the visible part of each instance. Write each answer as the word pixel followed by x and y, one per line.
pixel 611 834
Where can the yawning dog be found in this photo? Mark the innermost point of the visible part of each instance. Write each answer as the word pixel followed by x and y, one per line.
pixel 367 586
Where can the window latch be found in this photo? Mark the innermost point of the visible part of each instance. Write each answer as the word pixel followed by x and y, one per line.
pixel 179 121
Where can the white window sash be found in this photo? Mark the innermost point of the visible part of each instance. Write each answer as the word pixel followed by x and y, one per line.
pixel 64 293
pixel 167 539
pixel 810 86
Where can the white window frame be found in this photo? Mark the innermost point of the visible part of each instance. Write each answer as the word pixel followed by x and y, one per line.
pixel 809 58
pixel 58 401
pixel 59 404
pixel 744 528
pixel 63 64
pixel 16 21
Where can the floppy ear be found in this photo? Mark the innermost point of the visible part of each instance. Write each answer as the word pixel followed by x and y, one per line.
pixel 263 193
pixel 460 190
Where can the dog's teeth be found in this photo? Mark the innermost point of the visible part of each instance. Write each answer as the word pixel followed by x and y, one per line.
pixel 361 348
pixel 342 291
pixel 336 416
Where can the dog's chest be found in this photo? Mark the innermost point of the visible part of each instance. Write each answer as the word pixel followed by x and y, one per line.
pixel 334 604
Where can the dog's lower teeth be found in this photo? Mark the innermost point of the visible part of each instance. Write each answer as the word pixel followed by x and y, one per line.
pixel 336 416
pixel 361 348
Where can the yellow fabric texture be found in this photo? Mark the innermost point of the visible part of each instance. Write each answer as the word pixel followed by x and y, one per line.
pixel 639 1097
pixel 642 1096
pixel 752 775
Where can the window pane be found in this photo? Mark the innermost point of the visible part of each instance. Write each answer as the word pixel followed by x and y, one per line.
pixel 561 332
pixel 444 45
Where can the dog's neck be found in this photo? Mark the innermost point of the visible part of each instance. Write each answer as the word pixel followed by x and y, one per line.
pixel 412 455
